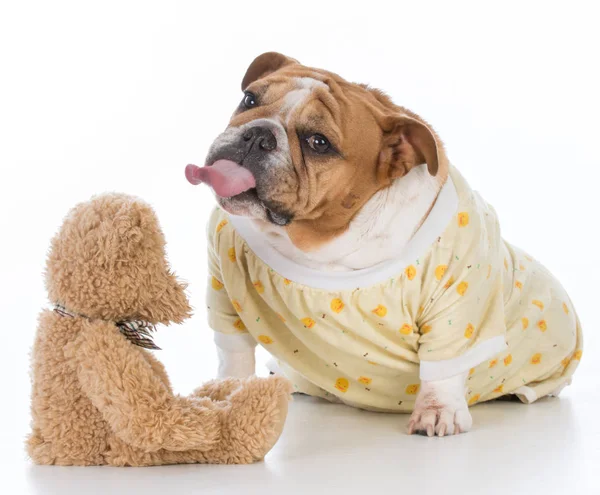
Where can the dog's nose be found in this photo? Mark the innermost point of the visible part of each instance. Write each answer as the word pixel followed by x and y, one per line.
pixel 261 137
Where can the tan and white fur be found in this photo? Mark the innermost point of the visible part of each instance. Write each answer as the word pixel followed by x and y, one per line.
pixel 375 231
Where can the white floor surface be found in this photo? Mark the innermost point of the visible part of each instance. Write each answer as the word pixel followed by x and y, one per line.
pixel 549 447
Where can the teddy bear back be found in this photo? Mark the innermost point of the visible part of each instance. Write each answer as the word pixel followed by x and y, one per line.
pixel 107 261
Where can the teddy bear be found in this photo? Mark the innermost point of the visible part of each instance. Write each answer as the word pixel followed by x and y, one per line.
pixel 99 395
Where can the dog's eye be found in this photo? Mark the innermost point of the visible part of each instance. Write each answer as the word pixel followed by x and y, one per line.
pixel 249 100
pixel 319 143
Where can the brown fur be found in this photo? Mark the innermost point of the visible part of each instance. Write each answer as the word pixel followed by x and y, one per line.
pixel 99 399
pixel 378 141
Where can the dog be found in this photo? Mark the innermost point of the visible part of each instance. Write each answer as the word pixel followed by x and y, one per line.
pixel 346 245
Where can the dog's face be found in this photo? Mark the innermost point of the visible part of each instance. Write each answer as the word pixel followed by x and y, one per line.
pixel 306 149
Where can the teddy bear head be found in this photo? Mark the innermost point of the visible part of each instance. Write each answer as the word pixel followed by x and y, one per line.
pixel 108 262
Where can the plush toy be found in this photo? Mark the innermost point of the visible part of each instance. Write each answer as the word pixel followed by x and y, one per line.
pixel 99 396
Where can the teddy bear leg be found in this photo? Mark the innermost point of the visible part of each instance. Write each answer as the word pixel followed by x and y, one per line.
pixel 253 420
pixel 121 454
pixel 256 419
pixel 218 389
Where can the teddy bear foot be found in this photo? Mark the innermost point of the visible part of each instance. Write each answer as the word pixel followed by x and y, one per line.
pixel 255 421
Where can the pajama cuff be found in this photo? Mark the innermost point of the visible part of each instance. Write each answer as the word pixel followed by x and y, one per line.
pixel 241 342
pixel 440 370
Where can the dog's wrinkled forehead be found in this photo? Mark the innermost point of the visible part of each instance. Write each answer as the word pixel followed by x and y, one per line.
pixel 291 95
pixel 302 87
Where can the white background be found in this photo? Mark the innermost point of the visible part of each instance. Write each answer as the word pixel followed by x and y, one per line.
pixel 120 96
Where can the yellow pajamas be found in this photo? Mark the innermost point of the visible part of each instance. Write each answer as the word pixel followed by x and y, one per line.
pixel 458 298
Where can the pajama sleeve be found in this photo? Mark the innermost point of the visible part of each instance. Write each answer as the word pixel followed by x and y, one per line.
pixel 222 315
pixel 464 322
pixel 464 327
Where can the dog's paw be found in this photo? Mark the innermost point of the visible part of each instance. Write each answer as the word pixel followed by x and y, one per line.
pixel 439 420
pixel 441 409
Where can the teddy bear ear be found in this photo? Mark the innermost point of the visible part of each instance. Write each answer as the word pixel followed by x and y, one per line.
pixel 125 231
pixel 265 64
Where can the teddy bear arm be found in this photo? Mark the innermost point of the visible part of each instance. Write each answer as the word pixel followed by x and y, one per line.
pixel 159 369
pixel 134 400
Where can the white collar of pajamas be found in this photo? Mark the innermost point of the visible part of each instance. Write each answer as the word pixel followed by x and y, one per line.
pixel 433 226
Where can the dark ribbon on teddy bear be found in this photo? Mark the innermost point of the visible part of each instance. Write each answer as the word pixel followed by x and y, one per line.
pixel 138 332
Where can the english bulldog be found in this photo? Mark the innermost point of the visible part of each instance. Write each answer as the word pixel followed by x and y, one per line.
pixel 346 245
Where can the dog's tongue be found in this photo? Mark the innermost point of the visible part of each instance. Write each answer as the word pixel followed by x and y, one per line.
pixel 227 178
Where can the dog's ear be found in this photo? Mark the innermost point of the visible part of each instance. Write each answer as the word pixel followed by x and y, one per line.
pixel 264 65
pixel 407 142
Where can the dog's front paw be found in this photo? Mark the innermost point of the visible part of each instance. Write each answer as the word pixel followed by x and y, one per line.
pixel 439 420
pixel 441 409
